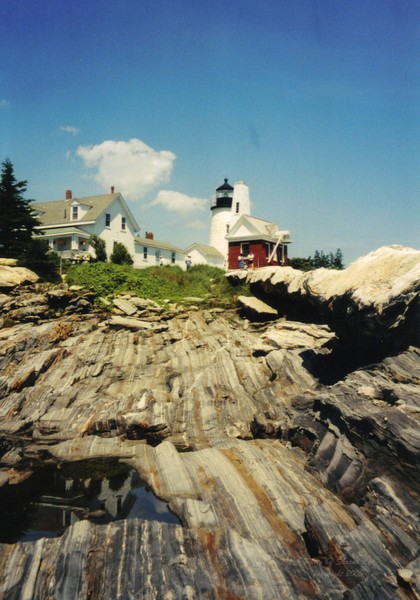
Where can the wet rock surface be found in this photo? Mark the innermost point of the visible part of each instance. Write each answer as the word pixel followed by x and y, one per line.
pixel 285 487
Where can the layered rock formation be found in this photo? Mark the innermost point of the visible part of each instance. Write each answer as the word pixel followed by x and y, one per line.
pixel 285 487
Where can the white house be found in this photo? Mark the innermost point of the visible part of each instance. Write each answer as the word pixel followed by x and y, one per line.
pixel 201 254
pixel 150 252
pixel 68 224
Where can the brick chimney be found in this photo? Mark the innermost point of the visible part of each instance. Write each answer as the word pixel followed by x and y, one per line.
pixel 112 189
pixel 149 235
pixel 69 195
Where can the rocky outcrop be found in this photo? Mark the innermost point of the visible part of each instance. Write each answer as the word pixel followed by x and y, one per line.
pixel 373 304
pixel 12 276
pixel 285 487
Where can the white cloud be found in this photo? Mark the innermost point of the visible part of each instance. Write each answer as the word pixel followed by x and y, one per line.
pixel 4 103
pixel 132 167
pixel 69 129
pixel 179 203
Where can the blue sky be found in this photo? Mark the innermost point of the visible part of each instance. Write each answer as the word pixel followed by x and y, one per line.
pixel 314 103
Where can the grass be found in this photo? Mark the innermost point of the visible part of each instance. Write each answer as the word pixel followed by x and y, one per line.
pixel 169 283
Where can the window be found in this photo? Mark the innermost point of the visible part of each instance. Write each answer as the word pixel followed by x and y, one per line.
pixel 173 258
pixel 227 228
pixel 237 208
pixel 245 249
pixel 123 223
pixel 74 213
pixel 157 256
pixel 107 220
pixel 145 253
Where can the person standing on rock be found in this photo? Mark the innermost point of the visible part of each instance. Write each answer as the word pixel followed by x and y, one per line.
pixel 241 262
pixel 250 259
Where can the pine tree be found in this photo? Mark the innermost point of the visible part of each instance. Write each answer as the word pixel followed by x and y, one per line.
pixel 17 221
pixel 17 224
pixel 317 260
pixel 338 260
pixel 38 257
pixel 320 259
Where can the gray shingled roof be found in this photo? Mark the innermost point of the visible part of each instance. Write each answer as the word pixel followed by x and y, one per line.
pixel 58 212
pixel 209 250
pixel 156 244
pixel 64 231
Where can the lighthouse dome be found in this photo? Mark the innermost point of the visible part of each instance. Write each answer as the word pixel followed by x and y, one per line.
pixel 224 194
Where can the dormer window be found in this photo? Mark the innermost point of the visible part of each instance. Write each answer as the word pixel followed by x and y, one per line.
pixel 74 213
pixel 123 223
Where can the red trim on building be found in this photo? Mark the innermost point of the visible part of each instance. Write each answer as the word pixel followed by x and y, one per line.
pixel 261 250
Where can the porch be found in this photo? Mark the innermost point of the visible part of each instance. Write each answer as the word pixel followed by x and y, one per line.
pixel 70 243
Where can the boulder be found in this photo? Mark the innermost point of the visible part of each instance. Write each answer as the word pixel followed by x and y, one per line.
pixel 292 334
pixel 11 276
pixel 125 306
pixel 257 308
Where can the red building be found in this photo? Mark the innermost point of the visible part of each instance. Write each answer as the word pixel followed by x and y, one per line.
pixel 259 237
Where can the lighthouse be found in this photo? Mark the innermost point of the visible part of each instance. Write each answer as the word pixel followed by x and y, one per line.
pixel 221 215
pixel 228 205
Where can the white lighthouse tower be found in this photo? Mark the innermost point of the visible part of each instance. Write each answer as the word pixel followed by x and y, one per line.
pixel 241 204
pixel 221 216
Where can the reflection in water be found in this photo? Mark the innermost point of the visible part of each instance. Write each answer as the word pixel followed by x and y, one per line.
pixel 56 496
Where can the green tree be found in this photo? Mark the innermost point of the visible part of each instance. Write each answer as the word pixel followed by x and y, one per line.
pixel 17 225
pixel 99 246
pixel 320 259
pixel 328 261
pixel 302 264
pixel 39 257
pixel 17 221
pixel 337 262
pixel 120 255
pixel 316 261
